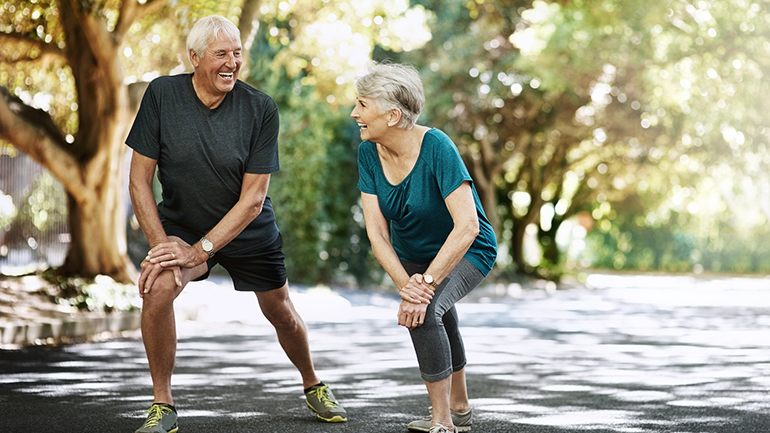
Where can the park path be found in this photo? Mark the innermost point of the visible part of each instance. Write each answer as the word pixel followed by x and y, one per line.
pixel 625 354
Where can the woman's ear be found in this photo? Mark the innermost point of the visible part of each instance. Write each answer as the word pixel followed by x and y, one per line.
pixel 394 117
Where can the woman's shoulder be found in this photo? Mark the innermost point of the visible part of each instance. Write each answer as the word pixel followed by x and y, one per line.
pixel 438 142
pixel 366 150
pixel 367 146
pixel 437 137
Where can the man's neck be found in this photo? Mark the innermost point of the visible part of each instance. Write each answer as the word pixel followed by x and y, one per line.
pixel 208 99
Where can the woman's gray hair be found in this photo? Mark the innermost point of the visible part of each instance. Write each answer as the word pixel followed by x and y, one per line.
pixel 392 86
pixel 206 30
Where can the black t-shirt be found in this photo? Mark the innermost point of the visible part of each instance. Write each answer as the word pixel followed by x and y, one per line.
pixel 203 154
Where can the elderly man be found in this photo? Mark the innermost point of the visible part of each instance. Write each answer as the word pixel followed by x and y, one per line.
pixel 213 140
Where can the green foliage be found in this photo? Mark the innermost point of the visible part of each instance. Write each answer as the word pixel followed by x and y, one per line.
pixel 646 115
pixel 8 211
pixel 314 194
pixel 564 107
pixel 46 203
pixel 100 294
pixel 675 242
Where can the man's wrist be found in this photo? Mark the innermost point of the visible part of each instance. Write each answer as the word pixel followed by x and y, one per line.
pixel 207 247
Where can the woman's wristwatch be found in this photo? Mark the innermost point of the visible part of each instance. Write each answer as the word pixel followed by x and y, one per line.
pixel 429 279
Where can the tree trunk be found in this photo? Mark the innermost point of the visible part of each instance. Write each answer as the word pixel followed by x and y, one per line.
pixel 92 169
pixel 517 246
pixel 97 217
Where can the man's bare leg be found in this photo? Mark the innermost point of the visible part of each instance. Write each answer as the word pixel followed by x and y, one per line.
pixel 159 334
pixel 290 328
pixel 159 327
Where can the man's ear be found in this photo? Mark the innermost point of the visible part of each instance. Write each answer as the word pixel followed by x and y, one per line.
pixel 194 58
pixel 394 117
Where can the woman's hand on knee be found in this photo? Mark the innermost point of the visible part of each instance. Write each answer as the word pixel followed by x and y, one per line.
pixel 416 291
pixel 411 315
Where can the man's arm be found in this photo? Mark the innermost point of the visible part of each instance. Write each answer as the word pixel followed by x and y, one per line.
pixel 140 180
pixel 248 207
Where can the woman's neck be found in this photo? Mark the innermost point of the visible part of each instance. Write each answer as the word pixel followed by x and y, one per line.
pixel 402 143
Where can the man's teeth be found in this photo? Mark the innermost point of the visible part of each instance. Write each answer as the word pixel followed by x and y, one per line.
pixel 230 75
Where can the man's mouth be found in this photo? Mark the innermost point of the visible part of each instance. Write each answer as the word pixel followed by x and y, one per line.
pixel 226 75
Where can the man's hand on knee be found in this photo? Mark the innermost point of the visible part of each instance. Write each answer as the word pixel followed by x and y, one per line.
pixel 150 273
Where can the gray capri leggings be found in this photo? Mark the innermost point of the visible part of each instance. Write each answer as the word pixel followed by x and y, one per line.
pixel 437 342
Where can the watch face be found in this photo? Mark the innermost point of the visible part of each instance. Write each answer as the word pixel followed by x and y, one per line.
pixel 428 279
pixel 207 245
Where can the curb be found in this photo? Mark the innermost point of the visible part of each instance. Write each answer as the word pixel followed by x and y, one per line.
pixel 23 333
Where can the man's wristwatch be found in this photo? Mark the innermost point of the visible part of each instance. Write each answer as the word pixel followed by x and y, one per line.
pixel 207 246
pixel 429 279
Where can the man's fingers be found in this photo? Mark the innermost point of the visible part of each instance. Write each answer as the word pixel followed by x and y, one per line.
pixel 178 276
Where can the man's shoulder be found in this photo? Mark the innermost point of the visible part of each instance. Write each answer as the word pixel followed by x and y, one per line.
pixel 169 80
pixel 253 94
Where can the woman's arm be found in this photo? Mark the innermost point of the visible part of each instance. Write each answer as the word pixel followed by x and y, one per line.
pixel 462 207
pixel 379 236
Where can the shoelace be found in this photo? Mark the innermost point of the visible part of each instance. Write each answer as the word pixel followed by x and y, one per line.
pixel 322 394
pixel 155 414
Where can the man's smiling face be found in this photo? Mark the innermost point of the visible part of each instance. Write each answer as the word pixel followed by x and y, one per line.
pixel 218 67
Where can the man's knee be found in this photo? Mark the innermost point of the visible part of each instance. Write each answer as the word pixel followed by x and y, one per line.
pixel 281 315
pixel 163 291
pixel 278 309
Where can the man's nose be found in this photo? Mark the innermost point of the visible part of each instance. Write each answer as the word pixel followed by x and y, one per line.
pixel 230 63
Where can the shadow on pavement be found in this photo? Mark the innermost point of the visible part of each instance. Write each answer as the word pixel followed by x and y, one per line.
pixel 653 356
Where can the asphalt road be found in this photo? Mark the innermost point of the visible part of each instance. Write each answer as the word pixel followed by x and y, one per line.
pixel 628 354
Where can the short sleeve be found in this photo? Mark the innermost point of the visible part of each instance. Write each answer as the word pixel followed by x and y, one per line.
pixel 366 153
pixel 263 158
pixel 450 170
pixel 144 136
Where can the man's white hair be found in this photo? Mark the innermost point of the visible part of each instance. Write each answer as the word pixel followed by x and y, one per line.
pixel 206 30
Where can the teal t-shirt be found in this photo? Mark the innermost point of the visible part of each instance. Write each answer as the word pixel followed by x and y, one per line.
pixel 419 219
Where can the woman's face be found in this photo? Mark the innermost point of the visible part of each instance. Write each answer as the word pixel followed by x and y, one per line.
pixel 372 122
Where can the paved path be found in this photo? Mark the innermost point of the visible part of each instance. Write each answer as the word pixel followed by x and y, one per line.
pixel 630 354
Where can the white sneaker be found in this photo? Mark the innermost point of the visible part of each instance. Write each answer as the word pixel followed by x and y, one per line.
pixel 438 428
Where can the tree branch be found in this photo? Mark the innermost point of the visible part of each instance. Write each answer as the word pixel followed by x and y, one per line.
pixel 131 11
pixel 45 49
pixel 33 132
pixel 99 40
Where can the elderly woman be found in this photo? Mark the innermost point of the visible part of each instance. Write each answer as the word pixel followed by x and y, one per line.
pixel 427 229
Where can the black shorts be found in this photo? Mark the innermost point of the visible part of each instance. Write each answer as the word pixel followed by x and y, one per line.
pixel 262 271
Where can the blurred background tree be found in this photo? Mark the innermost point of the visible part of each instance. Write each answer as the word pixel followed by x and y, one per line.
pixel 639 115
pixel 63 102
pixel 607 133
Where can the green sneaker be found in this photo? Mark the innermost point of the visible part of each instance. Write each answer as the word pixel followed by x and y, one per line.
pixel 462 421
pixel 321 401
pixel 160 419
